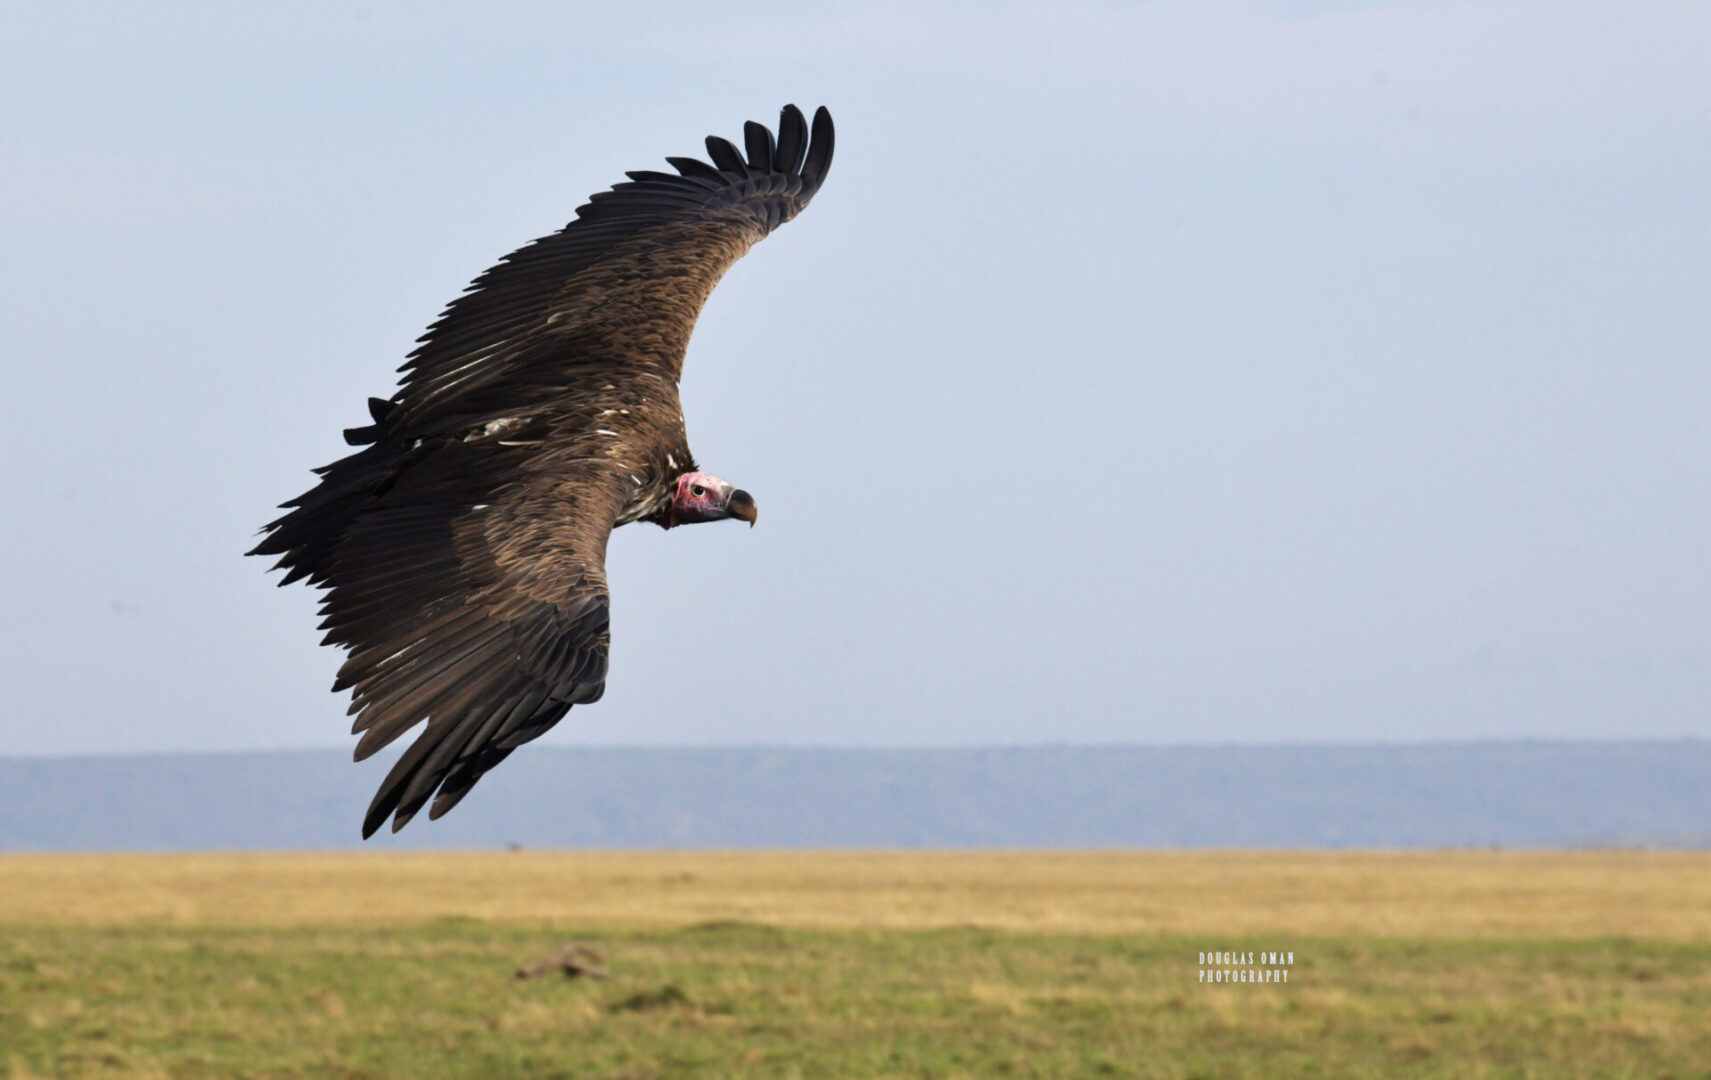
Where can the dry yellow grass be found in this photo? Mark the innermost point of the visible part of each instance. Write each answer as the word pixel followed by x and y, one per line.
pixel 1663 896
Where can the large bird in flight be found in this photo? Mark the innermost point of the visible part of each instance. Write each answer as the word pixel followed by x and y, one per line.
pixel 463 547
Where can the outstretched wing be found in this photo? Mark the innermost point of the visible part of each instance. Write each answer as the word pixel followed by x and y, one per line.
pixel 465 572
pixel 490 621
pixel 620 285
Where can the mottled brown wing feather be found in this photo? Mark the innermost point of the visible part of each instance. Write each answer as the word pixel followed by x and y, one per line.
pixel 487 619
pixel 621 285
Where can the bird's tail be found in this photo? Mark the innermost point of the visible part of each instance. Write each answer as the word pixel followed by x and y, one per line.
pixel 305 538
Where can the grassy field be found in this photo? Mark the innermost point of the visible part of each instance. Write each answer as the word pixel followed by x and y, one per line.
pixel 855 965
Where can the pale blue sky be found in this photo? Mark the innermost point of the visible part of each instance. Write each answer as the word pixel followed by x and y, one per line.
pixel 1160 373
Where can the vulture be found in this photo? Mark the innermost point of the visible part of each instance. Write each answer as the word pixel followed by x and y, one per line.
pixel 462 548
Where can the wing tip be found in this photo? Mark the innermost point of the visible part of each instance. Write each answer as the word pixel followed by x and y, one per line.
pixel 725 156
pixel 800 148
pixel 821 138
pixel 760 145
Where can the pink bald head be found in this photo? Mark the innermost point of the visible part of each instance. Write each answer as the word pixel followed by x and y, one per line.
pixel 704 497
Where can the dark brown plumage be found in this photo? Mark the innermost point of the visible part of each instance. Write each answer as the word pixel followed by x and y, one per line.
pixel 463 547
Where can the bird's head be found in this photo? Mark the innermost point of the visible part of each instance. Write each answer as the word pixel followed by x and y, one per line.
pixel 704 497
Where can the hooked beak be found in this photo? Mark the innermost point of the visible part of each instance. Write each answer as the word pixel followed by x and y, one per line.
pixel 741 505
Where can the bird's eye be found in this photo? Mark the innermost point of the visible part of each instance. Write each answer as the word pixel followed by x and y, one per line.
pixel 697 490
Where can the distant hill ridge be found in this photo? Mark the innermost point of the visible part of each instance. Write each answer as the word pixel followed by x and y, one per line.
pixel 1513 794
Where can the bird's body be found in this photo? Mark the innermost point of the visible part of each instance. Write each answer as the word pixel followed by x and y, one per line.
pixel 463 547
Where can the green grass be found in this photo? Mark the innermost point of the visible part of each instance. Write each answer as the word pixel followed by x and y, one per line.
pixel 439 999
